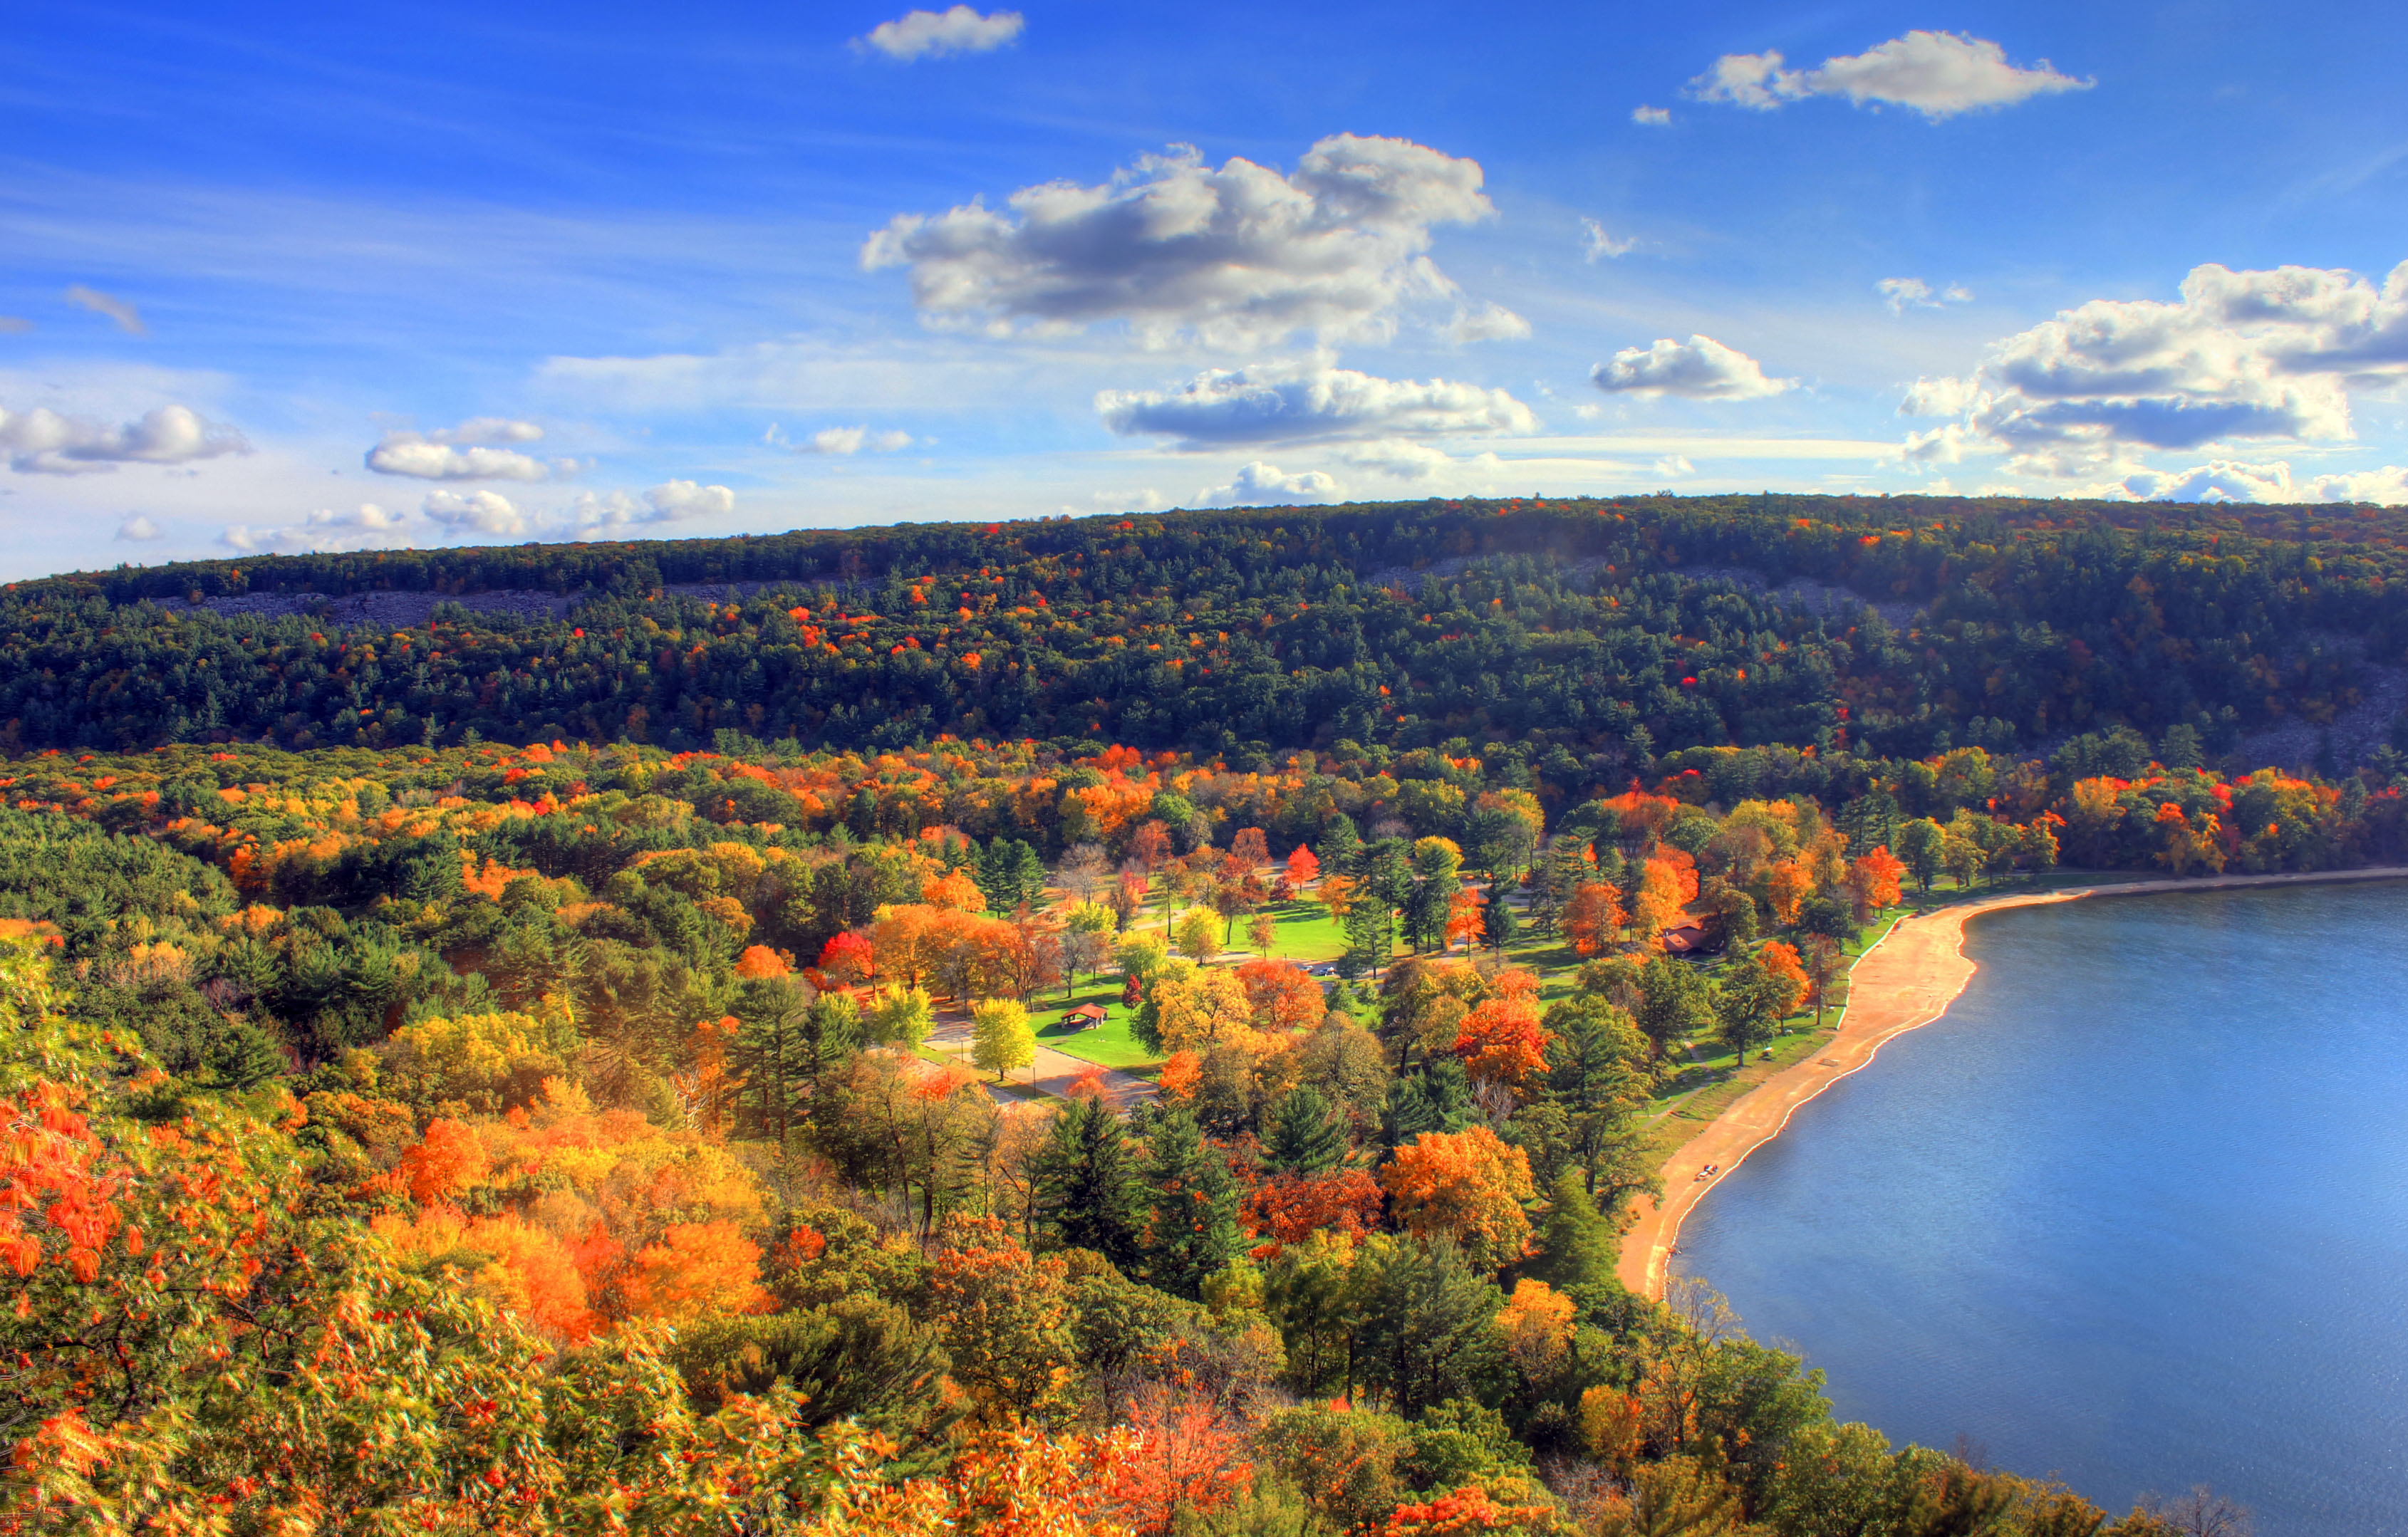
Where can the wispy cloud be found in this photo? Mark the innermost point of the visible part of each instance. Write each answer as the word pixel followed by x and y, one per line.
pixel 128 319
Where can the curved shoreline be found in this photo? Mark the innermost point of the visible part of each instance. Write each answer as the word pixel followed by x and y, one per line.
pixel 1906 980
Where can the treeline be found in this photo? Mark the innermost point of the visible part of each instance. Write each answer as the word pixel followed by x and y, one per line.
pixel 1612 631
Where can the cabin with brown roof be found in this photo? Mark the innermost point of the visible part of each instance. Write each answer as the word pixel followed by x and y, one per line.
pixel 1690 939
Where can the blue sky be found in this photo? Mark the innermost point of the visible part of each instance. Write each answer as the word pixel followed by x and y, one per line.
pixel 287 276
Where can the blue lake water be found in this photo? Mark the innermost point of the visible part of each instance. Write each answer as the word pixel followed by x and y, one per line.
pixel 2134 1211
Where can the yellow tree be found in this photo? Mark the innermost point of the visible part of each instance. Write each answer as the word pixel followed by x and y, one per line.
pixel 1000 1039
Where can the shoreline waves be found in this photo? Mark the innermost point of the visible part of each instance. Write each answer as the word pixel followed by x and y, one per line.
pixel 1905 981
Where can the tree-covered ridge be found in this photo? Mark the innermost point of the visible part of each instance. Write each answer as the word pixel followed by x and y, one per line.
pixel 1617 629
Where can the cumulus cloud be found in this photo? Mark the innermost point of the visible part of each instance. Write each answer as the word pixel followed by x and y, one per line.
pixel 1904 293
pixel 671 502
pixel 128 319
pixel 367 527
pixel 1651 116
pixel 1596 244
pixel 473 512
pixel 838 440
pixel 2255 355
pixel 466 453
pixel 1700 368
pixel 42 442
pixel 1238 256
pixel 1486 322
pixel 1303 402
pixel 137 529
pixel 1261 484
pixel 2236 480
pixel 1938 74
pixel 1398 458
pixel 932 35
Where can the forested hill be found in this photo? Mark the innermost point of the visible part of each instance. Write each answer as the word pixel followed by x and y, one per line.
pixel 1621 628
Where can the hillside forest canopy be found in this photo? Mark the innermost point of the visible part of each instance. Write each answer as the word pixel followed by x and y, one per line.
pixel 1899 626
pixel 577 1068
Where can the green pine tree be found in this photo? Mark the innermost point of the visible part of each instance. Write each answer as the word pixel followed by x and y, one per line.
pixel 1088 1187
pixel 1193 1228
pixel 1437 1098
pixel 1576 1244
pixel 1305 1138
pixel 1503 927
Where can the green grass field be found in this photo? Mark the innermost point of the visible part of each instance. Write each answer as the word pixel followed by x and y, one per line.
pixel 1108 1045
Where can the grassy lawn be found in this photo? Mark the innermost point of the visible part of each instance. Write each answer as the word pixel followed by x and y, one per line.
pixel 1108 1043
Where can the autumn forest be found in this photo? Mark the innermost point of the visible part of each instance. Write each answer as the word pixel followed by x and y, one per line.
pixel 1131 1025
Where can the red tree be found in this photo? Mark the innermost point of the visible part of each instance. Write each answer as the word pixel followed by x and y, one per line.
pixel 848 958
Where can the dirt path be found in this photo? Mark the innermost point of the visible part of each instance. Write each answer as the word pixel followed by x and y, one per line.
pixel 1908 978
pixel 1054 1070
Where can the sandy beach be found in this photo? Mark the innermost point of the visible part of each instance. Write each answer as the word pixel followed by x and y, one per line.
pixel 1909 978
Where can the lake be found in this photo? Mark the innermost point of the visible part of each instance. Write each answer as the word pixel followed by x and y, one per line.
pixel 2134 1211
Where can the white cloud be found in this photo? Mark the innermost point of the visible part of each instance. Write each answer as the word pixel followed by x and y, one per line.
pixel 928 33
pixel 2263 355
pixel 1651 116
pixel 464 453
pixel 1240 256
pixel 1488 323
pixel 1902 293
pixel 1399 458
pixel 1147 500
pixel 370 527
pixel 1300 403
pixel 137 529
pixel 14 325
pixel 487 430
pixel 677 500
pixel 1596 244
pixel 1673 466
pixel 2234 481
pixel 1700 368
pixel 1261 484
pixel 128 319
pixel 476 511
pixel 407 453
pixel 838 440
pixel 42 442
pixel 671 502
pixel 1938 74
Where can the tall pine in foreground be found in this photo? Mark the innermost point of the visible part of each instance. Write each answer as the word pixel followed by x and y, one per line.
pixel 1089 1183
pixel 1194 1230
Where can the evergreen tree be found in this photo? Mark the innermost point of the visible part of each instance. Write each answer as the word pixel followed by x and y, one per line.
pixel 1194 1199
pixel 1305 1138
pixel 1673 1003
pixel 1576 1244
pixel 1341 848
pixel 1503 927
pixel 1370 935
pixel 1430 1325
pixel 1435 1099
pixel 1088 1183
